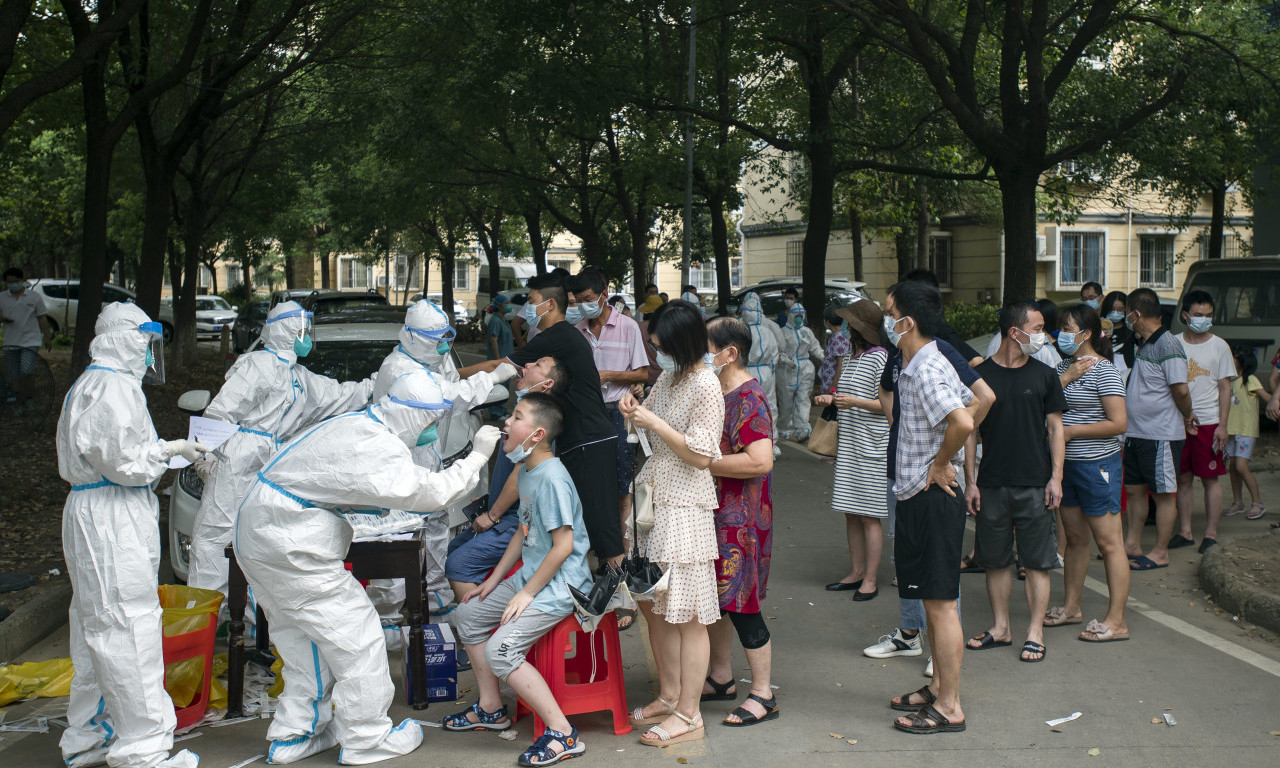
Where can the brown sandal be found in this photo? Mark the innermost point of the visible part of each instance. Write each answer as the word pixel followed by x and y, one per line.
pixel 929 720
pixel 902 704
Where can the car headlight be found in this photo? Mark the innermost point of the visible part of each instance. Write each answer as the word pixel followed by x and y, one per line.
pixel 184 548
pixel 190 483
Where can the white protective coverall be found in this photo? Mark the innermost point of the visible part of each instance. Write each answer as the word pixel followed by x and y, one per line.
pixel 764 352
pixel 424 346
pixel 291 538
pixel 119 711
pixel 272 398
pixel 795 375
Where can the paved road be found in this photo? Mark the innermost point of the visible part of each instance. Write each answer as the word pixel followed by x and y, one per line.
pixel 1219 678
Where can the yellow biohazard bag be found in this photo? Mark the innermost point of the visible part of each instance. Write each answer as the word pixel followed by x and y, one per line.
pixel 187 610
pixel 45 679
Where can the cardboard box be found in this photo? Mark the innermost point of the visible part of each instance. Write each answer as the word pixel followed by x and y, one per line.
pixel 441 657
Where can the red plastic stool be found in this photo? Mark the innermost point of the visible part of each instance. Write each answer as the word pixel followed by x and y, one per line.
pixel 588 681
pixel 189 646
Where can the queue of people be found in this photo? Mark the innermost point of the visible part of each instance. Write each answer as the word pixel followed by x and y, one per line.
pixel 312 456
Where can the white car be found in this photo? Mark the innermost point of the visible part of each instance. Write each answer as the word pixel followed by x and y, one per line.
pixel 347 352
pixel 212 312
pixel 460 313
pixel 62 301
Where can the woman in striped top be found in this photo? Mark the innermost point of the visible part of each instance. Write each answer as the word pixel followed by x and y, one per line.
pixel 1091 477
pixel 859 490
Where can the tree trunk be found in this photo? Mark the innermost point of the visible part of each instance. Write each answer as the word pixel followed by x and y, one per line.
pixel 157 216
pixel 533 223
pixel 1217 218
pixel 324 269
pixel 97 197
pixel 855 238
pixel 1018 201
pixel 720 244
pixel 903 248
pixel 822 181
pixel 448 260
pixel 922 225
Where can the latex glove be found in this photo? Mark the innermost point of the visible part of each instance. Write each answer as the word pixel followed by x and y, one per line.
pixel 485 440
pixel 204 466
pixel 191 450
pixel 503 373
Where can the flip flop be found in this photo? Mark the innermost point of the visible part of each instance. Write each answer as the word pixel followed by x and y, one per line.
pixel 1057 617
pixel 1101 634
pixel 986 640
pixel 1030 647
pixel 746 717
pixel 1145 563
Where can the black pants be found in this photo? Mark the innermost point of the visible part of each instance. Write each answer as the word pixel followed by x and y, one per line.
pixel 594 470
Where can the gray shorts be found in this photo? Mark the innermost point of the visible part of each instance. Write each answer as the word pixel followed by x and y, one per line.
pixel 505 649
pixel 1020 507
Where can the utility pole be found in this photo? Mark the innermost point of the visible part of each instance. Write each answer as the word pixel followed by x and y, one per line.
pixel 688 146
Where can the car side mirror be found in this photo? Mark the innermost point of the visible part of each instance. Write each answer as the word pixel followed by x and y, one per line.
pixel 195 401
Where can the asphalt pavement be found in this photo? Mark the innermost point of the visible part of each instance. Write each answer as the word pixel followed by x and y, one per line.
pixel 1217 677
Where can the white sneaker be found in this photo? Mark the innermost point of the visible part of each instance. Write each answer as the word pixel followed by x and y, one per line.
pixel 284 751
pixel 892 645
pixel 403 739
pixel 928 668
pixel 183 759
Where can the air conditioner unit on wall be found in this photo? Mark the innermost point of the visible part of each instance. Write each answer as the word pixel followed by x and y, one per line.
pixel 1047 245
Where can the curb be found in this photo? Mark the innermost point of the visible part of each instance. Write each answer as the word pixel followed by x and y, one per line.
pixel 34 621
pixel 1235 590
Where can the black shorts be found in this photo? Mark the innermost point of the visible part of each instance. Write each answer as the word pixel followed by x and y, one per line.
pixel 1153 463
pixel 593 468
pixel 1020 507
pixel 928 545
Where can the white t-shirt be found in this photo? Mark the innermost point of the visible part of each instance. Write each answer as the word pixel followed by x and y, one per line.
pixel 1207 363
pixel 23 310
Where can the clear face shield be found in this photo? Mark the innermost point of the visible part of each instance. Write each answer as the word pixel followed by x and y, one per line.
pixel 155 353
pixel 302 341
pixel 442 338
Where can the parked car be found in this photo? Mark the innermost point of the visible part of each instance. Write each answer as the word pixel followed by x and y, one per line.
pixel 347 351
pixel 460 313
pixel 212 312
pixel 840 292
pixel 249 323
pixel 62 301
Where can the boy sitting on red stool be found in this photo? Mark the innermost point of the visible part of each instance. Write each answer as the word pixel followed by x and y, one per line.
pixel 521 609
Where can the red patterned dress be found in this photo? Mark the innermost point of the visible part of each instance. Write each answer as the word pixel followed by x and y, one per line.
pixel 744 520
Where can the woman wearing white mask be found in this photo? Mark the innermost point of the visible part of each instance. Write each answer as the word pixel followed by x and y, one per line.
pixel 684 416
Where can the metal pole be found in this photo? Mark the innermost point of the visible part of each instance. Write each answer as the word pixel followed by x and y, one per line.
pixel 688 147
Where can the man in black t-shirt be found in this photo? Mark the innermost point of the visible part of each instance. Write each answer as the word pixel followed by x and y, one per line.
pixel 1020 478
pixel 586 446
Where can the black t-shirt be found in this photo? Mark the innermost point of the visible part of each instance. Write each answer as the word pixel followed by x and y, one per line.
pixel 585 419
pixel 1015 447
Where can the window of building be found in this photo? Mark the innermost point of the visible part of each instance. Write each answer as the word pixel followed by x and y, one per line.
pixel 703 275
pixel 206 277
pixel 940 257
pixel 1156 261
pixel 352 275
pixel 1230 245
pixel 231 275
pixel 407 274
pixel 795 258
pixel 565 264
pixel 462 276
pixel 1082 257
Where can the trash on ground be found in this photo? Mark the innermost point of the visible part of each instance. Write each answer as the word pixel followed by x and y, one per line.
pixel 1094 752
pixel 1059 721
pixel 233 721
pixel 43 679
pixel 510 734
pixel 429 723
pixel 250 761
pixel 836 735
pixel 1168 719
pixel 28 725
pixel 55 572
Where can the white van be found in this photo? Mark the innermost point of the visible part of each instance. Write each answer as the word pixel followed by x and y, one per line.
pixel 511 278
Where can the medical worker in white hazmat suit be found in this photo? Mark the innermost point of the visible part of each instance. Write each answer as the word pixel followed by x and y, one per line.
pixel 290 540
pixel 425 341
pixel 795 375
pixel 271 397
pixel 763 356
pixel 119 712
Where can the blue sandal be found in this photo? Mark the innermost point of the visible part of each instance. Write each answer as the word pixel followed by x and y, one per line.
pixel 541 752
pixel 488 721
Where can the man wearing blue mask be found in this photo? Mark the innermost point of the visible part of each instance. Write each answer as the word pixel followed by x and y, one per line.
pixel 586 444
pixel 1210 369
pixel 1091 295
pixel 271 397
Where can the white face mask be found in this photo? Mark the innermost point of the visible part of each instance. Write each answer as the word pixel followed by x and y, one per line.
pixel 666 362
pixel 1034 343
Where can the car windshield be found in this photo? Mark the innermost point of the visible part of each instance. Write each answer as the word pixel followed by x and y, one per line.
pixel 347 360
pixel 1242 297
pixel 772 304
pixel 341 308
pixel 212 302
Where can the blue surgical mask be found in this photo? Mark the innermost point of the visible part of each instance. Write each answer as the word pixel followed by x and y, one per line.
pixel 797 321
pixel 573 315
pixel 1129 323
pixel 1067 343
pixel 1200 324
pixel 591 310
pixel 520 453
pixel 443 348
pixel 1093 304
pixel 531 312
pixel 889 325
pixel 428 436
pixel 666 362
pixel 1115 317
pixel 520 393
pixel 150 359
pixel 302 346
pixel 15 287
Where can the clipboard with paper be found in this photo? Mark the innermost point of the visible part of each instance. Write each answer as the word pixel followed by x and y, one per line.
pixel 211 432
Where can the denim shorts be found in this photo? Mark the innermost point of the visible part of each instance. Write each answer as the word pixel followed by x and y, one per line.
pixel 1093 485
pixel 473 555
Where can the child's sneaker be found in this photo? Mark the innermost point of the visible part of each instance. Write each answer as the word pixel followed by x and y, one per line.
pixel 486 721
pixel 541 752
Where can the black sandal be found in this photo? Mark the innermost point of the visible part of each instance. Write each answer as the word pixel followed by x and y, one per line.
pixel 925 692
pixel 721 691
pixel 920 722
pixel 747 717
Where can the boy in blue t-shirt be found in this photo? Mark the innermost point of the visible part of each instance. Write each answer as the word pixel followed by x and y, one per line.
pixel 521 609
